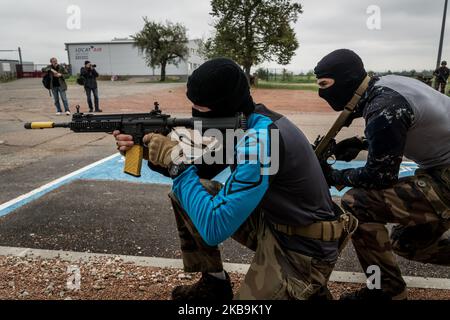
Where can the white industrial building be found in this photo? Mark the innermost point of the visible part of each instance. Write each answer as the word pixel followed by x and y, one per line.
pixel 10 66
pixel 121 58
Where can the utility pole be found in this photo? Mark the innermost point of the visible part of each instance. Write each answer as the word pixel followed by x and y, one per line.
pixel 441 43
pixel 20 55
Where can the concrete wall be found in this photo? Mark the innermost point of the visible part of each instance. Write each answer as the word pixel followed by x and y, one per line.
pixel 122 58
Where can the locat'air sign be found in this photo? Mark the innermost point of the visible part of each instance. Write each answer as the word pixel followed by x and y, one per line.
pixel 82 53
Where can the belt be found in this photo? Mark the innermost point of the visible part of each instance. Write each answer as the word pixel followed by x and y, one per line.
pixel 323 230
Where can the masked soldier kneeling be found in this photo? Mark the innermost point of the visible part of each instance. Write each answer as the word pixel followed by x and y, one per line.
pixel 286 217
pixel 404 117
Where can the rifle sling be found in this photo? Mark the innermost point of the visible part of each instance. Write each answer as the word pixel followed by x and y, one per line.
pixel 358 94
pixel 348 110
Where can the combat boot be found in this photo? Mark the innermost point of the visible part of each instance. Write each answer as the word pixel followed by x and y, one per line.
pixel 367 294
pixel 208 288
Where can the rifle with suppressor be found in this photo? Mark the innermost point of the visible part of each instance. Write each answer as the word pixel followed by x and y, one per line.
pixel 324 146
pixel 138 125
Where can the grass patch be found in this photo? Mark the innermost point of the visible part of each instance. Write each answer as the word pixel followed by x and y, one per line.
pixel 117 78
pixel 5 80
pixel 71 80
pixel 288 86
pixel 7 77
pixel 157 81
pixel 294 79
pixel 169 79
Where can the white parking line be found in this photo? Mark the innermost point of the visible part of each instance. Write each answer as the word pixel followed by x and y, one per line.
pixel 51 185
pixel 336 276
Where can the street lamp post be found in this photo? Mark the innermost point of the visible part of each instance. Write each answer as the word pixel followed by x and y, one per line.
pixel 442 35
pixel 20 55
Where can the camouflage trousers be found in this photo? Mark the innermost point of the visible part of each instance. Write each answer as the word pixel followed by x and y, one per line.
pixel 275 272
pixel 420 208
pixel 440 86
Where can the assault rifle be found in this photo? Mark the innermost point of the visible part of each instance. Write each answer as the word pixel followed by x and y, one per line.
pixel 138 125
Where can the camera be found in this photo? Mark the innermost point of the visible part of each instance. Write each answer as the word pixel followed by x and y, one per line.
pixel 93 66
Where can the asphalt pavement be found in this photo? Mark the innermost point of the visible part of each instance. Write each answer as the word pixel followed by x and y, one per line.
pixel 129 219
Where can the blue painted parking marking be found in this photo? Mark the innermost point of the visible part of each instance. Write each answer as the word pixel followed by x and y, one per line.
pixel 406 169
pixel 22 200
pixel 111 169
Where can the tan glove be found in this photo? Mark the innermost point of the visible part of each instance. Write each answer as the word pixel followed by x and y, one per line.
pixel 162 151
pixel 194 144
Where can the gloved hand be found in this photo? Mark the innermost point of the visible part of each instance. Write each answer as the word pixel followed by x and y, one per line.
pixel 348 149
pixel 162 151
pixel 328 173
pixel 160 170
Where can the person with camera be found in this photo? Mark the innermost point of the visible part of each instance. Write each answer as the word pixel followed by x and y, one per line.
pixel 89 76
pixel 57 84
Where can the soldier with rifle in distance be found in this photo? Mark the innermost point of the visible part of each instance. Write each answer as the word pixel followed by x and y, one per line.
pixel 441 77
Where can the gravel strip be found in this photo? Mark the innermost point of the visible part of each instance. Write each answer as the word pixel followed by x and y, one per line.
pixel 113 279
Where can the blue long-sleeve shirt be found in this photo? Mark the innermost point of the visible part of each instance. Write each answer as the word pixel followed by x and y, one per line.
pixel 218 217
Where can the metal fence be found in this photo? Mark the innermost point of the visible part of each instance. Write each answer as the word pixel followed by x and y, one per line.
pixel 29 70
pixel 283 75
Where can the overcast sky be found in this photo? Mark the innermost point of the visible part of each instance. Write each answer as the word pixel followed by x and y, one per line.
pixel 408 38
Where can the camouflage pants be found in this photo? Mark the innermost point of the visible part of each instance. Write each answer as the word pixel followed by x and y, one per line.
pixel 422 231
pixel 275 272
pixel 440 86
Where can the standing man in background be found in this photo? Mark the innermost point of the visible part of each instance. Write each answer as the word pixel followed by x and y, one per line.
pixel 441 75
pixel 90 75
pixel 58 85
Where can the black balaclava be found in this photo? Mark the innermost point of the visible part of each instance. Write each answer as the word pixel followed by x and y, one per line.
pixel 347 70
pixel 221 85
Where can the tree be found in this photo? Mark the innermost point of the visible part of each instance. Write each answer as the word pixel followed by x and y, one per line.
pixel 286 75
pixel 162 44
pixel 253 31
pixel 263 73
